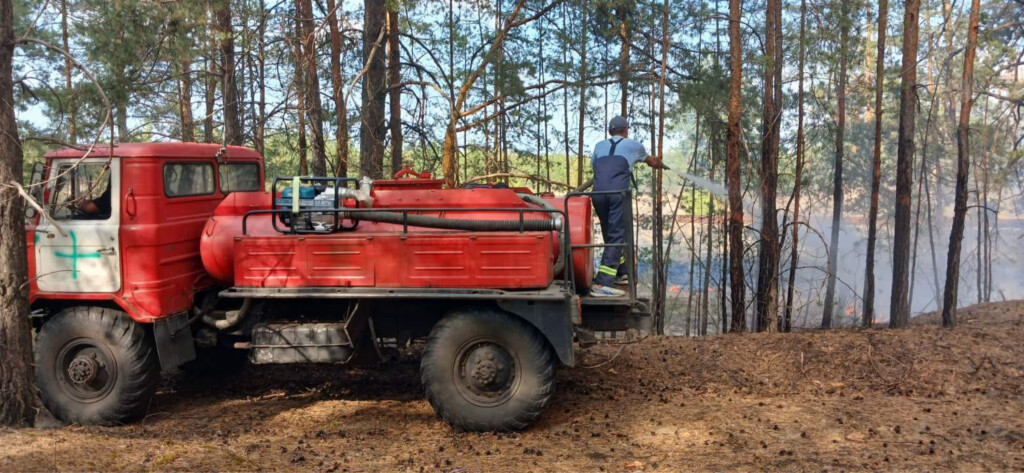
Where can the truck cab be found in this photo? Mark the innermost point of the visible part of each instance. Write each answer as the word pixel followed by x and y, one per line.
pixel 124 223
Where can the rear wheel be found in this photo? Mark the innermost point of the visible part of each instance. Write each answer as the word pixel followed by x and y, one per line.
pixel 483 369
pixel 95 366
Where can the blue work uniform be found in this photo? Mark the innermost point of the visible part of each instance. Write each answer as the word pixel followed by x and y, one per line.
pixel 613 161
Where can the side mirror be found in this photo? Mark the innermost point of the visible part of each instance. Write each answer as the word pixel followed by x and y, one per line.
pixel 35 188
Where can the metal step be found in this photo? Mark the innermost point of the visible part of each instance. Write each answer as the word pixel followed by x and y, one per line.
pixel 314 342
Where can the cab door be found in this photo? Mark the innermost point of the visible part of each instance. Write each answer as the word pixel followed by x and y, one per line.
pixel 82 255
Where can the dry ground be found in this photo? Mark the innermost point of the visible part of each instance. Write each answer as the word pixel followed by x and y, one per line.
pixel 918 399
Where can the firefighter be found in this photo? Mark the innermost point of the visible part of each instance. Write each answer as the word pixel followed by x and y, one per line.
pixel 613 161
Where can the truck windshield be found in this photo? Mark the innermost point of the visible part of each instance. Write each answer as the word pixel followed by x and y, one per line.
pixel 239 177
pixel 81 192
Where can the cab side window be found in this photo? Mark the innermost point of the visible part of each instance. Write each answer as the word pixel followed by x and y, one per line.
pixel 239 177
pixel 81 192
pixel 188 179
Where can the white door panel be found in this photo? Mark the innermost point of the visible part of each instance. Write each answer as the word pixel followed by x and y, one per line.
pixel 87 259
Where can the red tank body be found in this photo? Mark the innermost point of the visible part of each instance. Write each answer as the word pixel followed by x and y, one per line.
pixel 380 255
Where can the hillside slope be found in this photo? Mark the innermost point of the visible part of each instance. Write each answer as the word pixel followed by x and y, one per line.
pixel 918 399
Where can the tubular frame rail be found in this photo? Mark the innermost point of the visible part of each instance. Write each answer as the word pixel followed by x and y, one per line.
pixel 629 248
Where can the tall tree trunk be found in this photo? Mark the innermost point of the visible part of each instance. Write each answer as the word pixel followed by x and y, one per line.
pixel 583 95
pixel 17 386
pixel 768 261
pixel 710 226
pixel 963 155
pixel 72 108
pixel 624 13
pixel 337 91
pixel 210 90
pixel 314 109
pixel 876 174
pixel 188 132
pixel 922 183
pixel 371 126
pixel 787 319
pixel 899 310
pixel 394 91
pixel 658 298
pixel 261 77
pixel 299 83
pixel 733 170
pixel 837 176
pixel 232 124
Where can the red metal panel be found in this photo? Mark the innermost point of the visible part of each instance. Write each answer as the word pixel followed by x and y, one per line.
pixel 340 262
pixel 451 260
pixel 269 262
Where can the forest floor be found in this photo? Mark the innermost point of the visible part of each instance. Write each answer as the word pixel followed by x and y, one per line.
pixel 919 399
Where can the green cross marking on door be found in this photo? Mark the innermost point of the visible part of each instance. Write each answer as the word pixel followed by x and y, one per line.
pixel 75 255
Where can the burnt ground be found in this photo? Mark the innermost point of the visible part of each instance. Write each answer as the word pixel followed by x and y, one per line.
pixel 917 399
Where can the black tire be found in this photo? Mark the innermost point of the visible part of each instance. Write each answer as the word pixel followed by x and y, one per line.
pixel 485 370
pixel 95 366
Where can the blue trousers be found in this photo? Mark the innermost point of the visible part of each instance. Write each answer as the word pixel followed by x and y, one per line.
pixel 612 215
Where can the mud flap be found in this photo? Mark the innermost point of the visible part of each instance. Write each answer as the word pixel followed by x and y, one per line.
pixel 174 345
pixel 554 319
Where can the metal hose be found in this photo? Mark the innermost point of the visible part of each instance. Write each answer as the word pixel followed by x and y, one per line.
pixel 231 317
pixel 426 221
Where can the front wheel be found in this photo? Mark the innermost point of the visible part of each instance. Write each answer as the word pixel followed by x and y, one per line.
pixel 483 369
pixel 95 366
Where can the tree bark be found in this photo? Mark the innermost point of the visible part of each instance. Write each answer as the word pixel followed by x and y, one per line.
pixel 395 92
pixel 787 318
pixel 371 126
pixel 337 91
pixel 232 123
pixel 314 109
pixel 72 108
pixel 210 90
pixel 299 83
pixel 658 297
pixel 768 260
pixel 187 124
pixel 625 38
pixel 261 76
pixel 956 235
pixel 876 174
pixel 837 176
pixel 733 170
pixel 17 385
pixel 899 309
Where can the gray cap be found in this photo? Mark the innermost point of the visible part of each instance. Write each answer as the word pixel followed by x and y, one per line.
pixel 617 123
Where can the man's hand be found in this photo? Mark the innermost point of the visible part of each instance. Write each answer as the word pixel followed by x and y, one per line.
pixel 655 162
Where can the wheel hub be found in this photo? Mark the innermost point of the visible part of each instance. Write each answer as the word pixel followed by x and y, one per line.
pixel 87 370
pixel 83 369
pixel 486 373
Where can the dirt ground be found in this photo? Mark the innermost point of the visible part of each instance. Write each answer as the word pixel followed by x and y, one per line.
pixel 917 399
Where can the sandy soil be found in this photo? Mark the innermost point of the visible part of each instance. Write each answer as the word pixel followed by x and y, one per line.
pixel 918 399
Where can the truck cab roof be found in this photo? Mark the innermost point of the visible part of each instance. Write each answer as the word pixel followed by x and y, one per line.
pixel 168 150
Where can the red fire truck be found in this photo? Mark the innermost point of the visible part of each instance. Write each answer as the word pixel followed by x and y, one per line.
pixel 153 256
